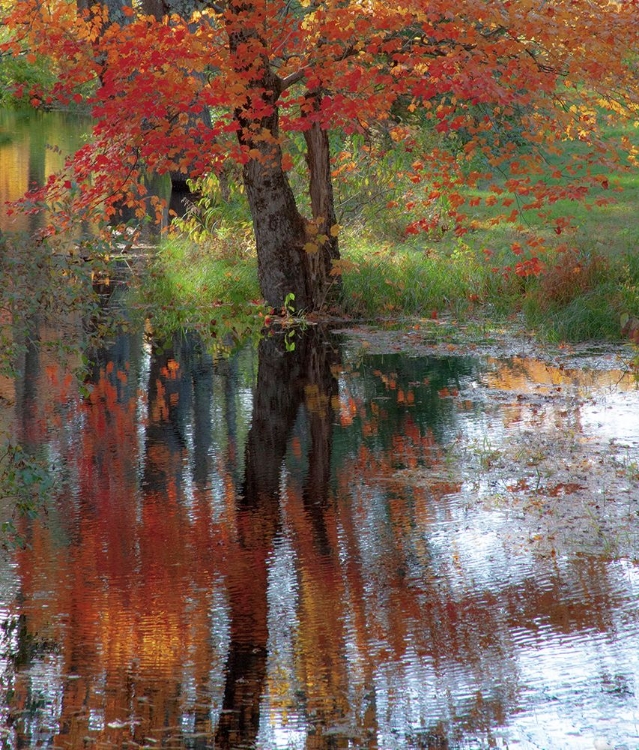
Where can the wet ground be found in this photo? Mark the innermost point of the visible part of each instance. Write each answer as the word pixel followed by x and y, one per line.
pixel 382 539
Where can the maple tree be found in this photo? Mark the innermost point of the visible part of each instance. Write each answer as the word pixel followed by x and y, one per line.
pixel 183 87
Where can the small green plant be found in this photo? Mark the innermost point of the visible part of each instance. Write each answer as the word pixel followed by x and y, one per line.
pixel 289 340
pixel 25 483
pixel 288 307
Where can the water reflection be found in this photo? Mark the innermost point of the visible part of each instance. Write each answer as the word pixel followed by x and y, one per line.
pixel 33 145
pixel 309 549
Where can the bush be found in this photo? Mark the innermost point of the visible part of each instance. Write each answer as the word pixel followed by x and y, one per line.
pixel 23 83
pixel 584 296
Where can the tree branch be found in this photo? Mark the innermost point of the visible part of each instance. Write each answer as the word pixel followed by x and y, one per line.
pixel 298 75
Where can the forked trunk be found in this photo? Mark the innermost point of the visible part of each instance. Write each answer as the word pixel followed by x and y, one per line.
pixel 289 257
pixel 293 255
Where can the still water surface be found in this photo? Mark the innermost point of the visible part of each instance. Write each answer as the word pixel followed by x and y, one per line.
pixel 323 548
pixel 33 145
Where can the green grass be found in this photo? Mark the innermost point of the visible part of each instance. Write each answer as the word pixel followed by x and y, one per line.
pixel 407 280
pixel 589 287
pixel 584 296
pixel 189 285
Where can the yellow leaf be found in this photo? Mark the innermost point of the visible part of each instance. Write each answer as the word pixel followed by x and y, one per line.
pixel 334 230
pixel 311 247
pixel 343 266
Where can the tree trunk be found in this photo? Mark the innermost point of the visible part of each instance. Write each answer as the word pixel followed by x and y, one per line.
pixel 280 233
pixel 282 236
pixel 325 288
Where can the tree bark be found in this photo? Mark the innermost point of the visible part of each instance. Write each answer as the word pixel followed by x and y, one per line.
pixel 325 288
pixel 282 235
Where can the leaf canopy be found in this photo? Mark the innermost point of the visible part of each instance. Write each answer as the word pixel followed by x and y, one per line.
pixel 512 79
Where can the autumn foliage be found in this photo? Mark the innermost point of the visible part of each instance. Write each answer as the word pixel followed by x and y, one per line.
pixel 502 85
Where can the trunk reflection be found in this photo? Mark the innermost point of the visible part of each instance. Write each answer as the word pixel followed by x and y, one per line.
pixel 287 381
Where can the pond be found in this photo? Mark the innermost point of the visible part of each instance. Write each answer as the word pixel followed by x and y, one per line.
pixel 375 539
pixel 326 547
pixel 33 145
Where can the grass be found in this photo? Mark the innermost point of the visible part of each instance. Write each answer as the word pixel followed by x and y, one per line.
pixel 583 295
pixel 588 289
pixel 427 281
pixel 194 286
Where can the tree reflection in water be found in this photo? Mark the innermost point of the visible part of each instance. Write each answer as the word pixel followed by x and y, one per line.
pixel 287 382
pixel 241 559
